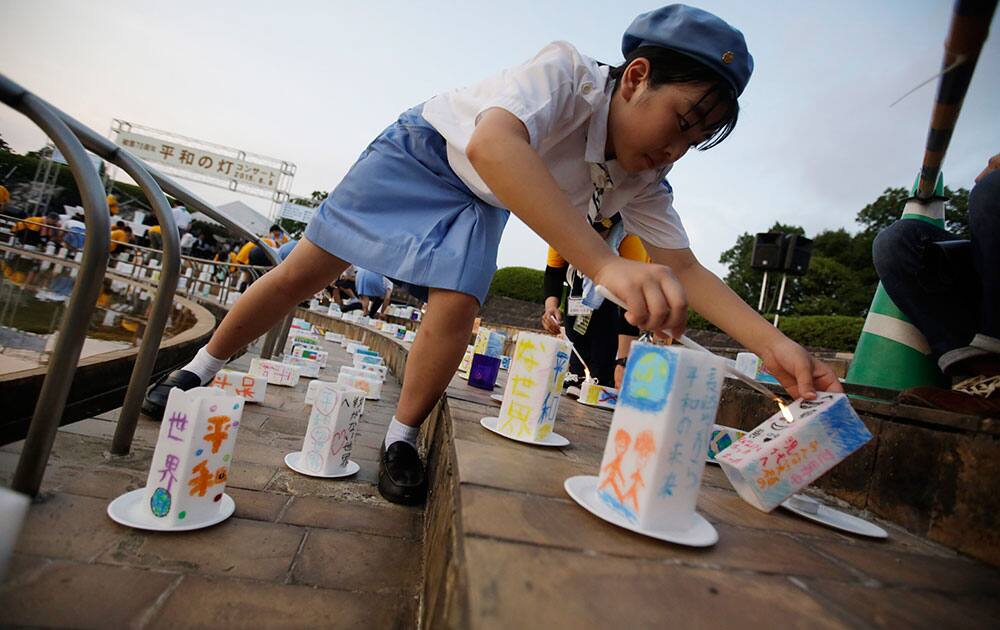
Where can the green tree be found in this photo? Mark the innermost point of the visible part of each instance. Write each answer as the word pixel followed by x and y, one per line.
pixel 294 228
pixel 882 212
pixel 520 283
pixel 841 279
pixel 315 198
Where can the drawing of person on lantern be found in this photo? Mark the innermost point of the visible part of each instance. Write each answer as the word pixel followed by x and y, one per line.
pixel 614 469
pixel 644 447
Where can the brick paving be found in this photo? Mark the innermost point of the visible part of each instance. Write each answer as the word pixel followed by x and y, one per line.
pixel 298 552
pixel 506 546
pixel 533 558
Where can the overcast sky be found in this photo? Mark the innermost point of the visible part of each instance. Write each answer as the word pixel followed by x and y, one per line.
pixel 314 82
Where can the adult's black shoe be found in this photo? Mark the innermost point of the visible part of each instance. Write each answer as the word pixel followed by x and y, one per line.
pixel 401 475
pixel 156 396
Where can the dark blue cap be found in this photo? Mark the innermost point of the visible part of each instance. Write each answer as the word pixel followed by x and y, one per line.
pixel 698 34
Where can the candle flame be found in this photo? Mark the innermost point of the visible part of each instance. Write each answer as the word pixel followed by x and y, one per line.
pixel 785 411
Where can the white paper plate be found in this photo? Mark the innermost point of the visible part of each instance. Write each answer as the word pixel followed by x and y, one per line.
pixel 497 397
pixel 595 406
pixel 583 490
pixel 552 439
pixel 131 510
pixel 802 505
pixel 292 461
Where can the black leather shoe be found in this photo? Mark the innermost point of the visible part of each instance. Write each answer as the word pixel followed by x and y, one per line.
pixel 156 396
pixel 401 476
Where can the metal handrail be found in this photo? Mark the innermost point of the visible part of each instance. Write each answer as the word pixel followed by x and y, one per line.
pixel 67 133
pixel 69 343
pixel 191 200
pixel 170 270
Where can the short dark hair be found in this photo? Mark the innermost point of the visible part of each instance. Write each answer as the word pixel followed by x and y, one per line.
pixel 274 228
pixel 669 66
pixel 120 223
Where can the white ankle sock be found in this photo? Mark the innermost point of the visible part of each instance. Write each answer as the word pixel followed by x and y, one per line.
pixel 399 432
pixel 205 366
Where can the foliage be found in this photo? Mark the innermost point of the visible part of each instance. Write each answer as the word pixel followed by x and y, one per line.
pixel 697 322
pixel 315 198
pixel 882 212
pixel 520 283
pixel 833 332
pixel 294 229
pixel 830 332
pixel 841 279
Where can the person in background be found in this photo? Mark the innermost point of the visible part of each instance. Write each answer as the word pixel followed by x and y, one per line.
pixel 277 235
pixel 250 254
pixel 950 289
pixel 204 245
pixel 120 235
pixel 285 250
pixel 181 216
pixel 187 242
pixel 75 231
pixel 375 291
pixel 154 234
pixel 36 231
pixel 601 335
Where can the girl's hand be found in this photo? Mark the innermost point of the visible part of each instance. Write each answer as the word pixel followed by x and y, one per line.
pixel 800 373
pixel 552 318
pixel 655 297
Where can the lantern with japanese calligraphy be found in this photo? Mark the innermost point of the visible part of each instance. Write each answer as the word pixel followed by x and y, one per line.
pixel 312 352
pixel 251 388
pixel 534 387
pixel 368 382
pixel 655 453
pixel 779 458
pixel 304 337
pixel 333 422
pixel 308 368
pixel 367 359
pixel 275 372
pixel 185 488
pixel 379 370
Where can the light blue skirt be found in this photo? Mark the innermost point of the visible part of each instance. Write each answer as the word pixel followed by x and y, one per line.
pixel 402 212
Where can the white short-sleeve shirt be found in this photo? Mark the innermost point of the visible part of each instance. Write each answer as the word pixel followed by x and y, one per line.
pixel 563 98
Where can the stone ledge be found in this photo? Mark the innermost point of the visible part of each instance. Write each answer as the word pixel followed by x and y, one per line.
pixel 505 546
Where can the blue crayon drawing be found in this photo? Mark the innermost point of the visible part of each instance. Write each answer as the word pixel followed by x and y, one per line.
pixel 649 377
pixel 667 490
pixel 843 427
pixel 616 505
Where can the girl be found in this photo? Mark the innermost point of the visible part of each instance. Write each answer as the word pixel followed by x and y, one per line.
pixel 557 140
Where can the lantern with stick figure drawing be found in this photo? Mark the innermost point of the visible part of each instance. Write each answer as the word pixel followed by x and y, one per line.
pixel 655 453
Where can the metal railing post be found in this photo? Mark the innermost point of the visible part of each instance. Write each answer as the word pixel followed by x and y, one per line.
pixel 73 330
pixel 170 268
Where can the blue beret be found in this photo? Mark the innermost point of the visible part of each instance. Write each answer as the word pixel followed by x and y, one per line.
pixel 696 33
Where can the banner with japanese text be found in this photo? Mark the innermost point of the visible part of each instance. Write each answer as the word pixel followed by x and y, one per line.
pixel 200 161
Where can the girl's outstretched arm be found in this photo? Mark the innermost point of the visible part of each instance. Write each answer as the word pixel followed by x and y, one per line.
pixel 501 153
pixel 799 372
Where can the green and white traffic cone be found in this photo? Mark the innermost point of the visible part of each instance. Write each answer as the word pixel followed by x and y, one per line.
pixel 891 352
